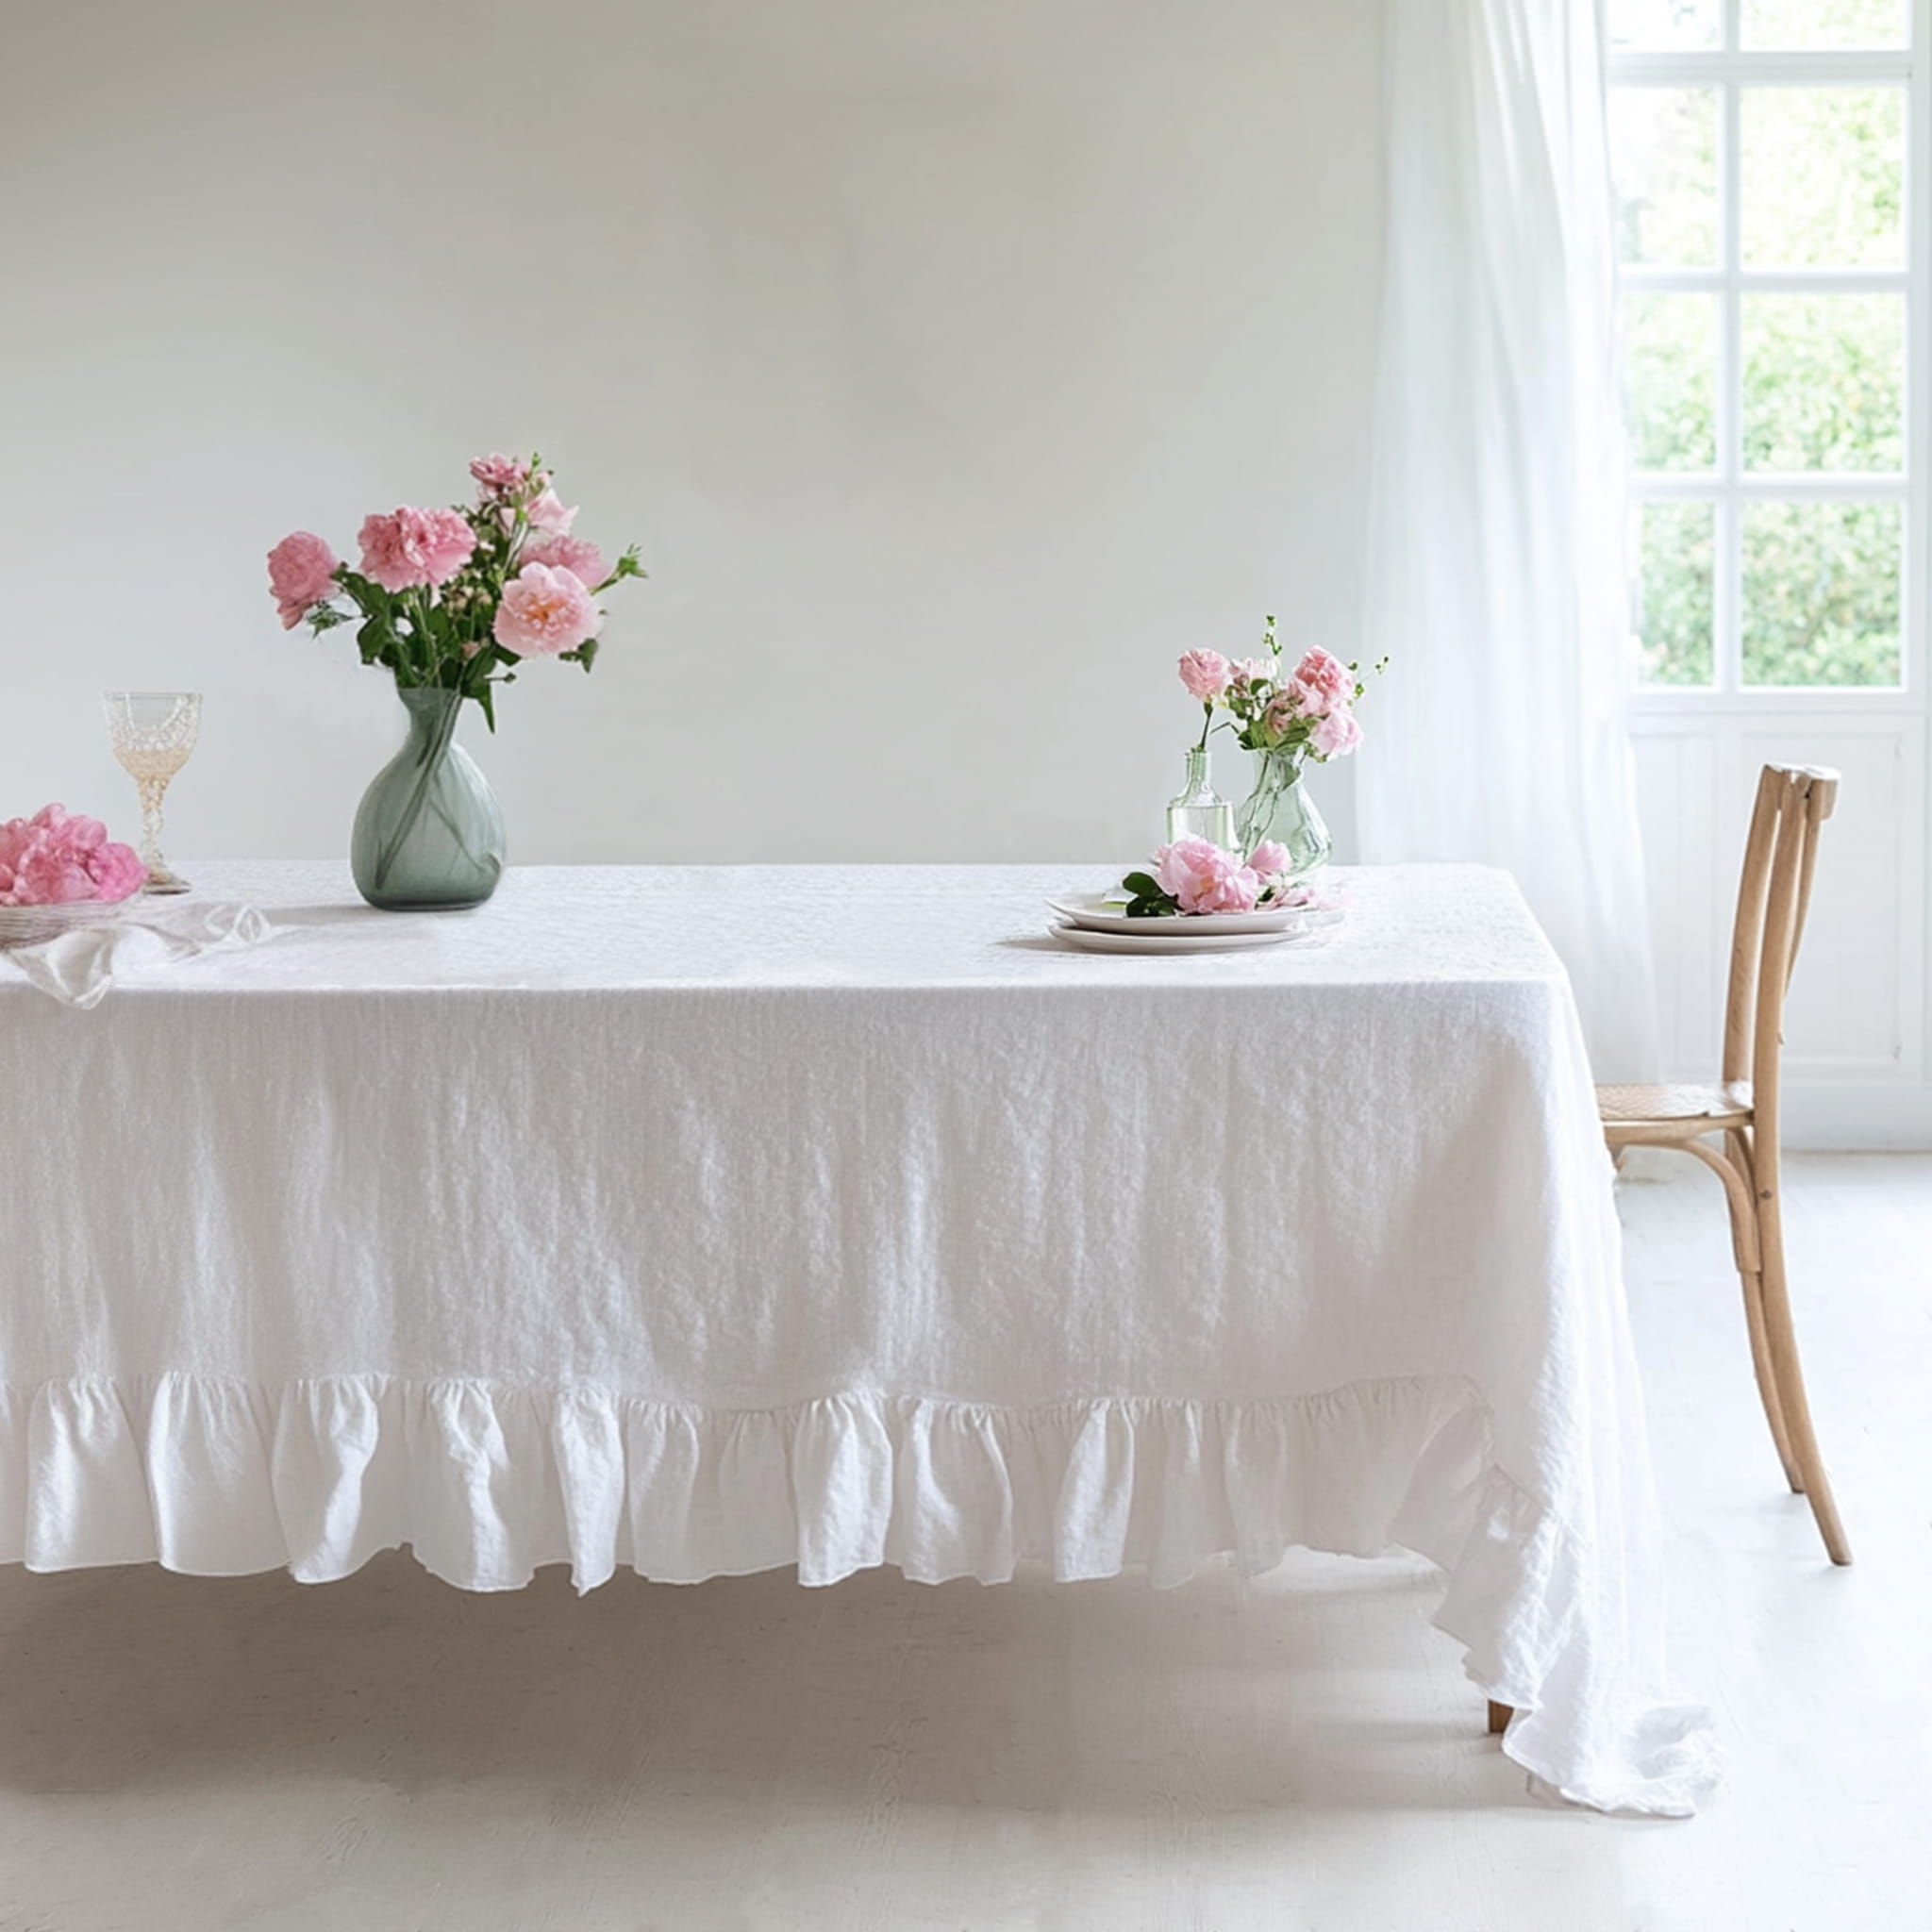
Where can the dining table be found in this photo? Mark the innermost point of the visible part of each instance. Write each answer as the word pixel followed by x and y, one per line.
pixel 704 1220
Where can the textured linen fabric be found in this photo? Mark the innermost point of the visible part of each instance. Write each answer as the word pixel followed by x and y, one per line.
pixel 705 1219
pixel 78 967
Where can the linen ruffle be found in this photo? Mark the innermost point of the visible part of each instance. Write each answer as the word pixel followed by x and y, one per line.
pixel 486 1482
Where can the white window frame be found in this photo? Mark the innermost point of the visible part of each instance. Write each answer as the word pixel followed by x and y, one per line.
pixel 1729 487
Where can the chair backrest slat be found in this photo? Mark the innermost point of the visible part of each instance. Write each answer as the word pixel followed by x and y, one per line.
pixel 1773 899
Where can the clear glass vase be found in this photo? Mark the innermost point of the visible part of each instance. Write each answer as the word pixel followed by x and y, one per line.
pixel 1279 808
pixel 1200 811
pixel 429 833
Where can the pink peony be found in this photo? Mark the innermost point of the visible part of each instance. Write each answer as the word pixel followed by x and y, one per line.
pixel 584 562
pixel 1204 878
pixel 500 475
pixel 1337 735
pixel 546 511
pixel 301 574
pixel 119 870
pixel 1269 858
pixel 58 859
pixel 1205 674
pixel 1323 682
pixel 544 611
pixel 415 546
pixel 1283 709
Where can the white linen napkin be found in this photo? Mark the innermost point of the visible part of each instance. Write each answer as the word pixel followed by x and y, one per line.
pixel 78 967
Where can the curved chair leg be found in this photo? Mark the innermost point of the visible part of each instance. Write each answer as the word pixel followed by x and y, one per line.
pixel 1733 1167
pixel 1783 1340
pixel 1767 1379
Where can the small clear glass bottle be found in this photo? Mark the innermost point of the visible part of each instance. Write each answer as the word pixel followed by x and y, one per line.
pixel 1200 811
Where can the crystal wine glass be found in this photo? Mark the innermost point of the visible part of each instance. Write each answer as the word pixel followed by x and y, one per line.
pixel 152 733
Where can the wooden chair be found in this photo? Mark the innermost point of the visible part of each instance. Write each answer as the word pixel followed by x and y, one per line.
pixel 1794 801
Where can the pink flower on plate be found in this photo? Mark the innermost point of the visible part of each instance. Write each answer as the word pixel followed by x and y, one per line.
pixel 500 475
pixel 547 512
pixel 1204 878
pixel 119 870
pixel 1269 858
pixel 415 546
pixel 1205 674
pixel 301 574
pixel 1336 735
pixel 59 859
pixel 584 562
pixel 544 611
pixel 1323 682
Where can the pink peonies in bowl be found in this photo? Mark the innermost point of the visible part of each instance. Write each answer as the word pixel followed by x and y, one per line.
pixel 57 857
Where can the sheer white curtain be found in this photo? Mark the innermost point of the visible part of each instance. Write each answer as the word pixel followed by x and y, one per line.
pixel 1496 549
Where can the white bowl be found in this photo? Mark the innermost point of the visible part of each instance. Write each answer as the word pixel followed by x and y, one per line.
pixel 28 926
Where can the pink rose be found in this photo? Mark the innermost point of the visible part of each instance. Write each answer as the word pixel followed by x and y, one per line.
pixel 415 546
pixel 1337 735
pixel 1283 709
pixel 301 574
pixel 54 858
pixel 1249 671
pixel 1204 878
pixel 120 872
pixel 1269 858
pixel 584 562
pixel 546 513
pixel 1323 682
pixel 500 475
pixel 1205 674
pixel 544 611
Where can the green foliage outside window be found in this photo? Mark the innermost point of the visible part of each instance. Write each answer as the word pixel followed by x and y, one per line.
pixel 1822 376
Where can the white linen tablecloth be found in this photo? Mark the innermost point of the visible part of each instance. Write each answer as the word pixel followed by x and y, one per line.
pixel 706 1220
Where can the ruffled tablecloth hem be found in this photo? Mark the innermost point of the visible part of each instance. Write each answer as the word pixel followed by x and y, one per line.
pixel 488 1481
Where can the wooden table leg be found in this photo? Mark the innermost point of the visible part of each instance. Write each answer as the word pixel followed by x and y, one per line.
pixel 1500 1715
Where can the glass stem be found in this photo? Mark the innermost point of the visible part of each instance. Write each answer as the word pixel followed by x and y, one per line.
pixel 152 792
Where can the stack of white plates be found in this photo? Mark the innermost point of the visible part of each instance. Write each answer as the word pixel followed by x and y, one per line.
pixel 1102 926
pixel 28 926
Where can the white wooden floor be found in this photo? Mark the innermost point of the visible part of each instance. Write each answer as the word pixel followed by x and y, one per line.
pixel 386 1754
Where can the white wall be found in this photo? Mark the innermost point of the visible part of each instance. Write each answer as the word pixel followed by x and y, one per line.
pixel 957 366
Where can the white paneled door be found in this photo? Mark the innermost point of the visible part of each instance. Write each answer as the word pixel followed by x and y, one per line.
pixel 1773 162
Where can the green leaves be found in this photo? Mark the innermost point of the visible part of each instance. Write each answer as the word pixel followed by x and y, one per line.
pixel 1149 900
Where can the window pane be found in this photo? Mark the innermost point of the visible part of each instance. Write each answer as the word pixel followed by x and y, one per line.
pixel 1663 152
pixel 1823 176
pixel 1676 547
pixel 1822 592
pixel 1826 23
pixel 1670 378
pixel 1824 382
pixel 1668 24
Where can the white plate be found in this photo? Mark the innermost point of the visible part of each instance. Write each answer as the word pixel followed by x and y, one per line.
pixel 28 926
pixel 1091 910
pixel 1168 940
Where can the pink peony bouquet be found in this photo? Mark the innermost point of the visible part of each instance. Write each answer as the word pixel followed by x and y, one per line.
pixel 1195 875
pixel 57 857
pixel 1309 710
pixel 457 598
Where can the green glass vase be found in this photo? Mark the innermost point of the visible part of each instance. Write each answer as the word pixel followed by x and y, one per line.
pixel 429 833
pixel 1279 808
